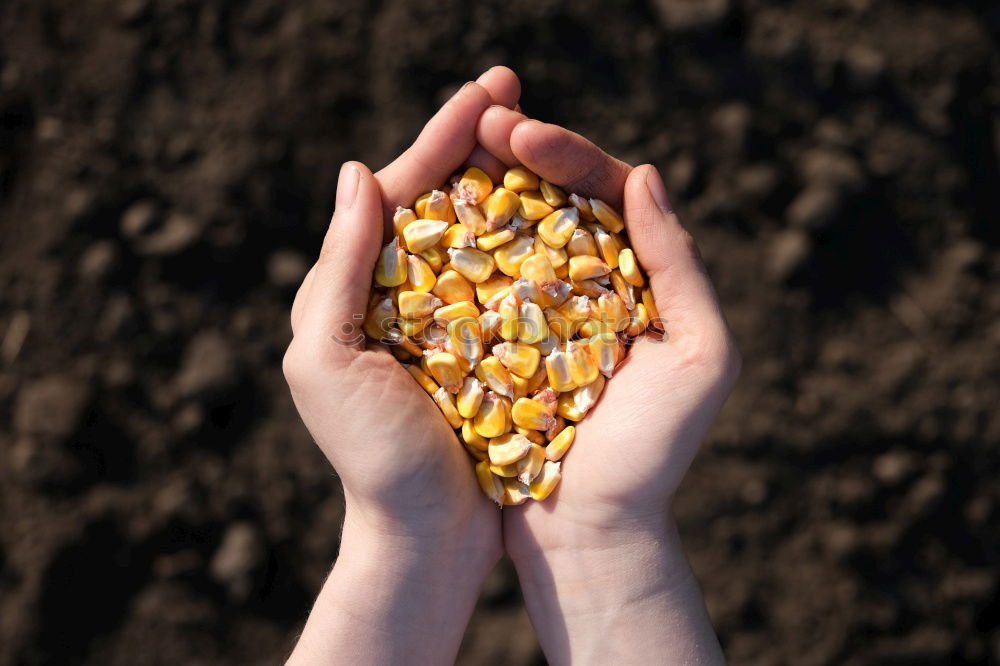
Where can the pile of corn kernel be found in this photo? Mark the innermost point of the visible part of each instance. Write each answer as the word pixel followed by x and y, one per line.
pixel 510 306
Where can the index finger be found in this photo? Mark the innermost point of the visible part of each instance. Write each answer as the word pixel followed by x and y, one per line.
pixel 554 153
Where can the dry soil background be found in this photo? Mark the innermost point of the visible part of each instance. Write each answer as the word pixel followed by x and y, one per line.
pixel 167 168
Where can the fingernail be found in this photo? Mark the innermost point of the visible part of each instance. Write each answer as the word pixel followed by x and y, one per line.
pixel 347 185
pixel 656 190
pixel 467 84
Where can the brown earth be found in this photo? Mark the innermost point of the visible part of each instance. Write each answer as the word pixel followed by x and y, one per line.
pixel 167 168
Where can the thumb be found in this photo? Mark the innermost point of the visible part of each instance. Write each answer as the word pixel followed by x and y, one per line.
pixel 338 295
pixel 688 307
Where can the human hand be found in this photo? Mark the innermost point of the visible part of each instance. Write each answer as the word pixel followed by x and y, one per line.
pixel 605 536
pixel 413 507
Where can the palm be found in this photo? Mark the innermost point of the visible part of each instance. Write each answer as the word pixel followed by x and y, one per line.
pixel 411 461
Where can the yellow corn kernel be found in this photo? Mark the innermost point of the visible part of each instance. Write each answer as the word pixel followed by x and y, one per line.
pixel 492 372
pixel 445 370
pixel 448 313
pixel 474 265
pixel 582 205
pixel 572 312
pixel 533 206
pixel 446 403
pixel 489 324
pixel 593 327
pixel 553 194
pixel 509 312
pixel 585 396
pixel 549 344
pixel 466 338
pixel 534 436
pixel 604 348
pixel 380 319
pixel 420 205
pixel 606 215
pixel 558 372
pixel 494 239
pixel 410 346
pixel 611 310
pixel 422 234
pixel 518 223
pixel 500 207
pixel 546 481
pixel 581 242
pixel 508 448
pixel 458 235
pixel 523 290
pixel 537 380
pixel 530 465
pixel 520 359
pixel 532 414
pixel 559 325
pixel 488 288
pixel 434 336
pixel 623 289
pixel 650 303
pixel 562 272
pixel 413 327
pixel 470 216
pixel 607 248
pixel 558 424
pixel 520 386
pixel 639 321
pixel 419 274
pixel 476 454
pixel 504 471
pixel 588 288
pixel 586 267
pixel 566 407
pixel 490 484
pixel 439 207
pixel 401 218
pixel 558 227
pixel 519 179
pixel 435 257
pixel 538 269
pixel 390 271
pixel 560 444
pixel 452 288
pixel 426 383
pixel 474 186
pixel 629 267
pixel 531 325
pixel 414 304
pixel 509 256
pixel 557 256
pixel 473 438
pixel 400 353
pixel 470 397
pixel 515 492
pixel 582 367
pixel 491 419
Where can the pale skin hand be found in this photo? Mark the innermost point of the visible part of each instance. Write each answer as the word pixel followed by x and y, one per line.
pixel 601 567
pixel 419 536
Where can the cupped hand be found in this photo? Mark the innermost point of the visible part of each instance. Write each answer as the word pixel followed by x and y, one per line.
pixel 404 472
pixel 634 447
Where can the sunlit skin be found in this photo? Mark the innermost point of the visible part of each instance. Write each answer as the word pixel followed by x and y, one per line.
pixel 408 483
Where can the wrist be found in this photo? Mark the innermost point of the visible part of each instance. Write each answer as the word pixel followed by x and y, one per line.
pixel 616 596
pixel 607 566
pixel 465 551
pixel 394 598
